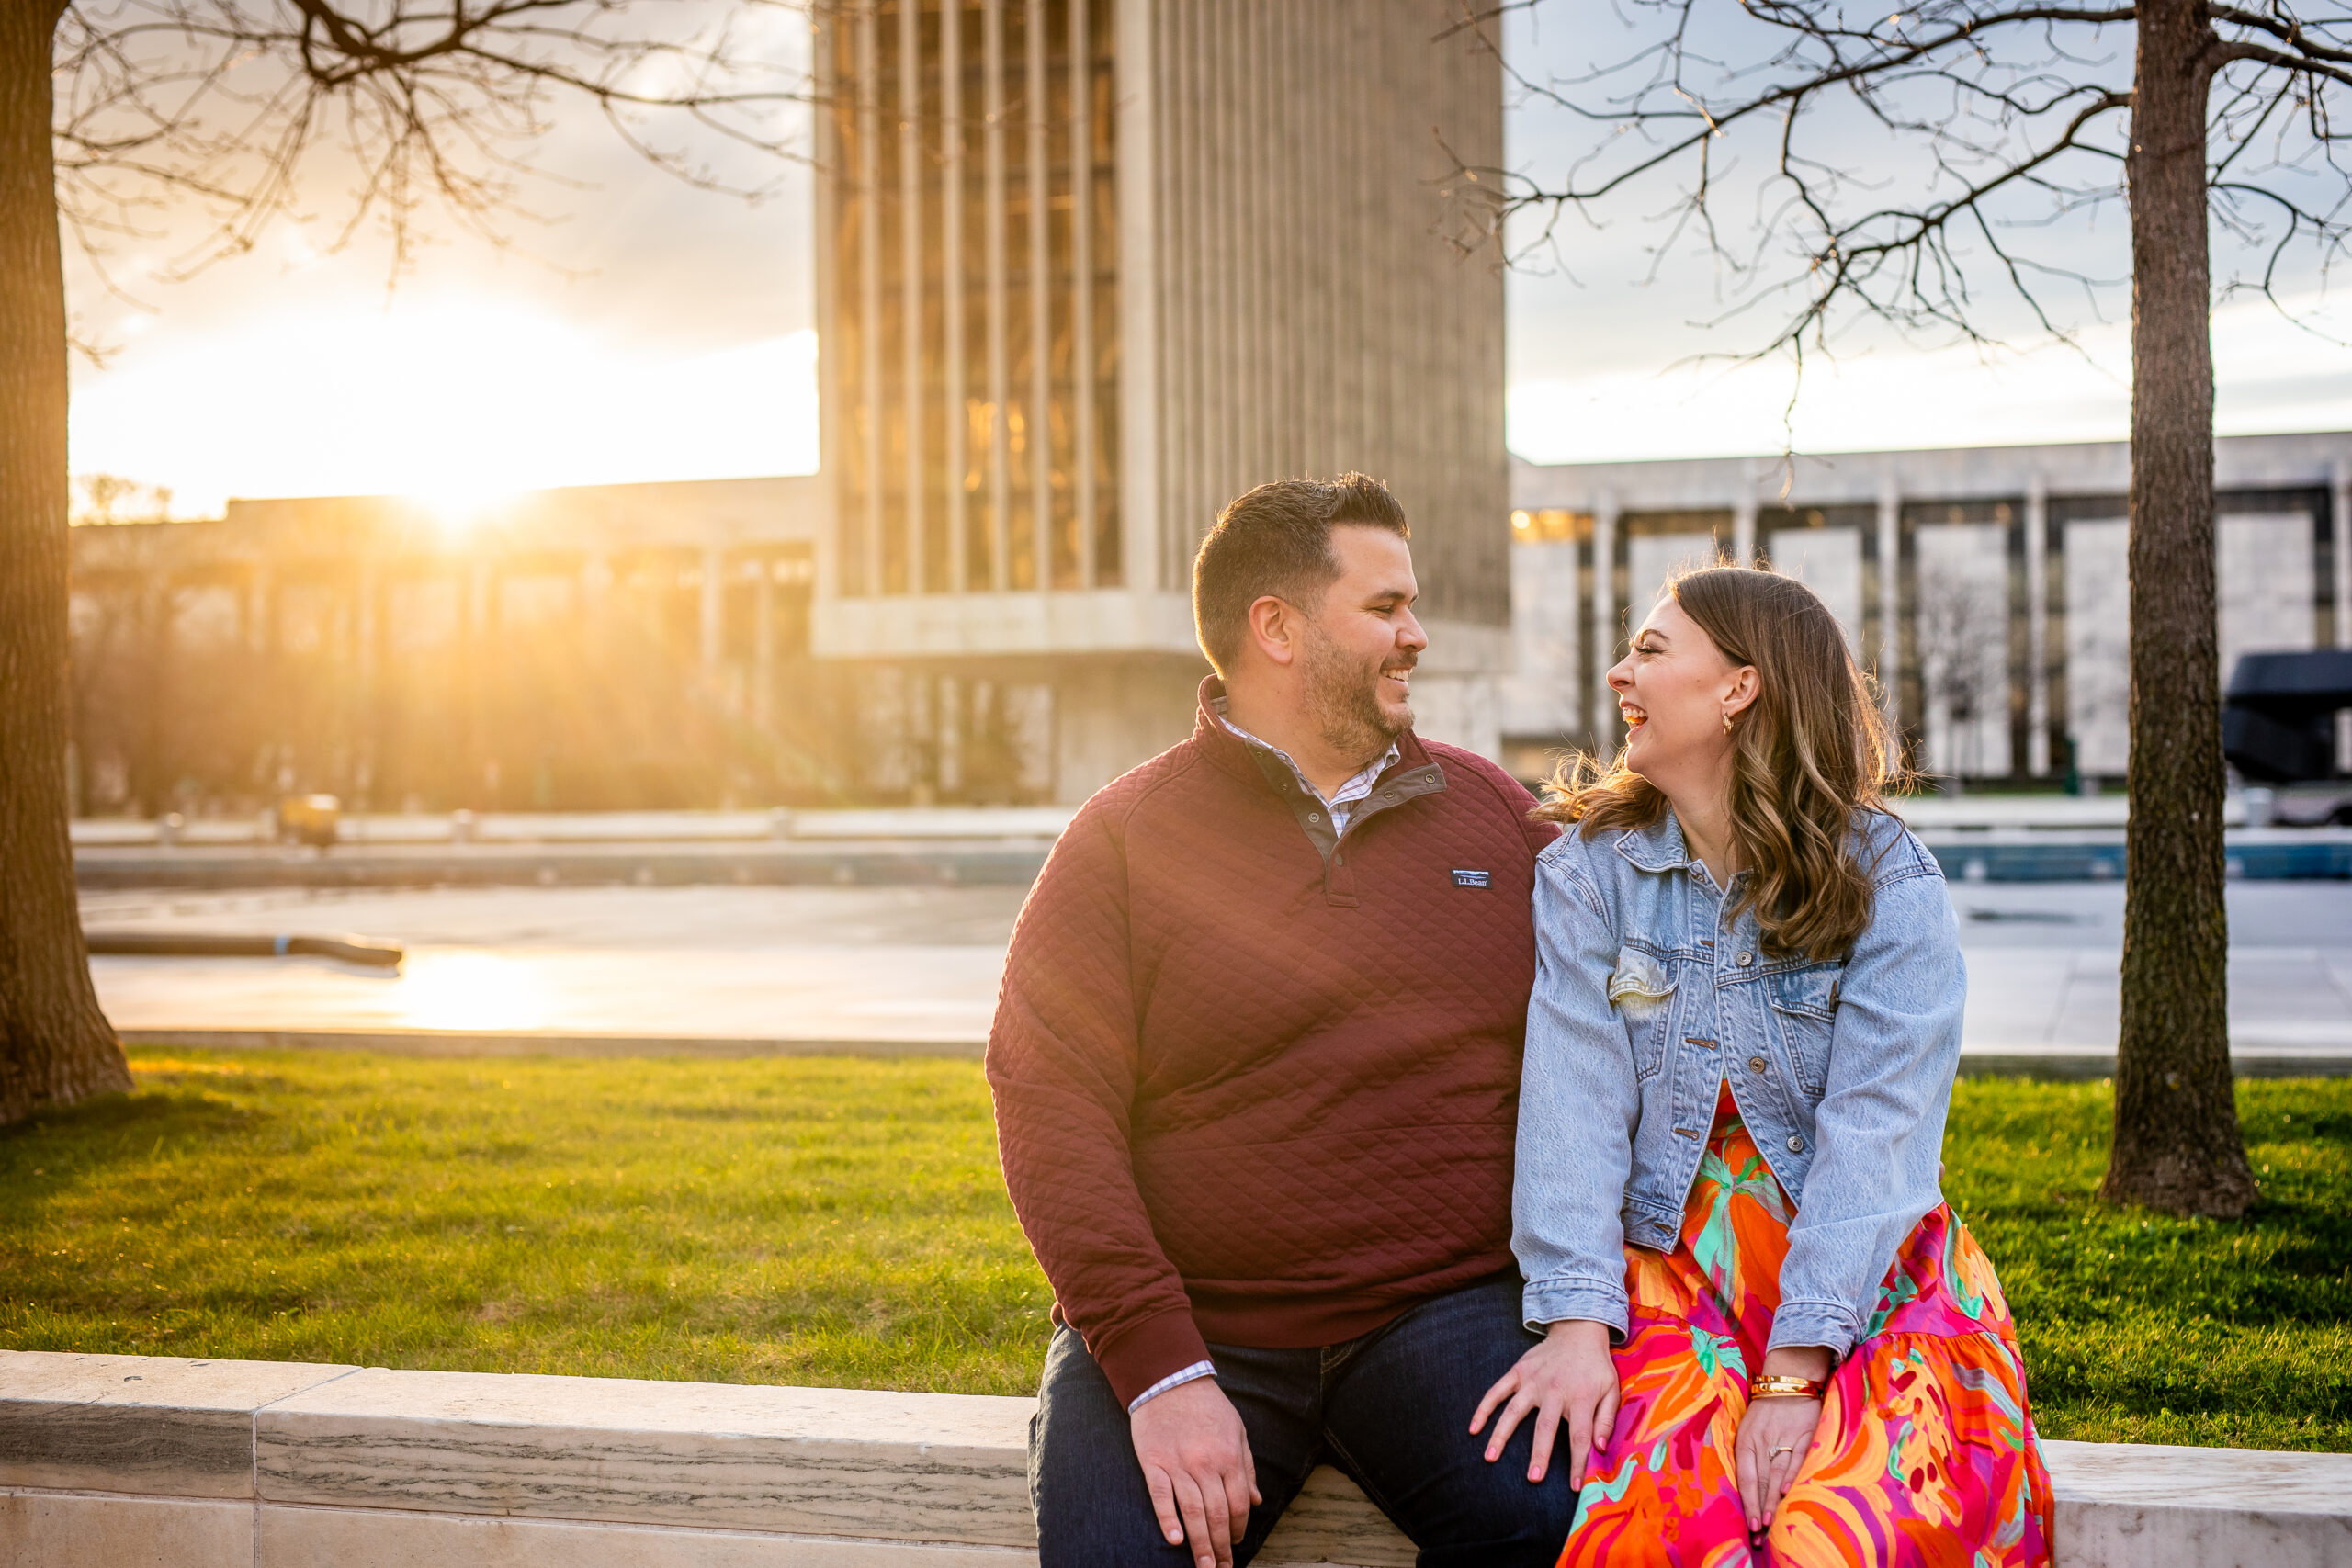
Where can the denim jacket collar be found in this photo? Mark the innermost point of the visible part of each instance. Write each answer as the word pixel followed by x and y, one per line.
pixel 1658 847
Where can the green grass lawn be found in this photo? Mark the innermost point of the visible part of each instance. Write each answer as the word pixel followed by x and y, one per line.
pixel 842 1222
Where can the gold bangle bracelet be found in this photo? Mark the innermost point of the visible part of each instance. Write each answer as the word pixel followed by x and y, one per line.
pixel 1782 1386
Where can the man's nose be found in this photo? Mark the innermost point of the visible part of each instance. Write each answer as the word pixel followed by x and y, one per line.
pixel 1409 633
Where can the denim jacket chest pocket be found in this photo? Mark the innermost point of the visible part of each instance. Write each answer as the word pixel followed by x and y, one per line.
pixel 1642 991
pixel 1803 1011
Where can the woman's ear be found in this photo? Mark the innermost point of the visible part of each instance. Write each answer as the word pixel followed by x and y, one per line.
pixel 1741 690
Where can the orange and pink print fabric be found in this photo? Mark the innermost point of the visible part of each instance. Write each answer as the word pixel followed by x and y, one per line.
pixel 1925 1455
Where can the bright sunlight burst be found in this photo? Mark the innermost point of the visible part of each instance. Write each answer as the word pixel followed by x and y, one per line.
pixel 458 401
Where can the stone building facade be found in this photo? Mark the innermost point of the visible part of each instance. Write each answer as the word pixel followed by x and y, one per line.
pixel 599 647
pixel 1087 270
pixel 657 645
pixel 1984 587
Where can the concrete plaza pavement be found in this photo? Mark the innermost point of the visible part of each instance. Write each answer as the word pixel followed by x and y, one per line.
pixel 2044 971
pixel 731 970
pixel 894 965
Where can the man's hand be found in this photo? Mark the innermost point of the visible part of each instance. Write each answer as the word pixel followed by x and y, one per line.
pixel 1569 1377
pixel 1195 1459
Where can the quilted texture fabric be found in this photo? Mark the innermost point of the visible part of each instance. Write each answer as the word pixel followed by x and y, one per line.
pixel 1248 1094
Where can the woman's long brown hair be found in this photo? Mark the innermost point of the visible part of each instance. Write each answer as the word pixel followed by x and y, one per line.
pixel 1809 753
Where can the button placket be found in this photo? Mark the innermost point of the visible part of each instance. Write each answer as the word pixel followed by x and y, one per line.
pixel 1702 1033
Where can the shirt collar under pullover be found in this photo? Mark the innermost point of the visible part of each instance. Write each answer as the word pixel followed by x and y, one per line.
pixel 1340 803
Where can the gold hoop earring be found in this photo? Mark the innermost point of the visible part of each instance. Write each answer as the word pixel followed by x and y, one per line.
pixel 1726 721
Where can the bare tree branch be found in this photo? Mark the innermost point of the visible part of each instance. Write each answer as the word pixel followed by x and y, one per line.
pixel 2016 115
pixel 2285 62
pixel 2311 42
pixel 442 103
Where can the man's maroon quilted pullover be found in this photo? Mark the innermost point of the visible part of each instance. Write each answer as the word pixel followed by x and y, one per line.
pixel 1258 1090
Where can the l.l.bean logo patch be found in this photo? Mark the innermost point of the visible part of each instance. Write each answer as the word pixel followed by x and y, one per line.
pixel 1474 878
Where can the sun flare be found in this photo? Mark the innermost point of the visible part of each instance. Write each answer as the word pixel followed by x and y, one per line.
pixel 470 990
pixel 459 508
pixel 461 403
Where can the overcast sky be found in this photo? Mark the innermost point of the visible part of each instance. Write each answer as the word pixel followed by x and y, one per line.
pixel 660 332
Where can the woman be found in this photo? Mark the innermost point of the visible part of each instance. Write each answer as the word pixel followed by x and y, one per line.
pixel 1766 1333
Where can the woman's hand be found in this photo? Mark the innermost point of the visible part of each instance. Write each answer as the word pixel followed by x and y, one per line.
pixel 1569 1377
pixel 1775 1434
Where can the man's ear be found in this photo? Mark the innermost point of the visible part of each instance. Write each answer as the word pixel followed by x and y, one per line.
pixel 1274 627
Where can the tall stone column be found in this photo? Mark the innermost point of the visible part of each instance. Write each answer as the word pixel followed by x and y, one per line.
pixel 1890 598
pixel 2339 521
pixel 480 589
pixel 366 627
pixel 763 647
pixel 261 606
pixel 1604 728
pixel 260 628
pixel 2037 627
pixel 1037 529
pixel 592 590
pixel 714 588
pixel 159 608
pixel 912 155
pixel 365 621
pixel 995 117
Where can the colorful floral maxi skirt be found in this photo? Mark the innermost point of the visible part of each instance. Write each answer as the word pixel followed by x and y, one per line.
pixel 1925 1454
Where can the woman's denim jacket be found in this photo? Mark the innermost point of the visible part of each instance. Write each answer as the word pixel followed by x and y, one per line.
pixel 1645 1001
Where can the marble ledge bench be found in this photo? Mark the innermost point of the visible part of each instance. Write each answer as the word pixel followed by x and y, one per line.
pixel 128 1461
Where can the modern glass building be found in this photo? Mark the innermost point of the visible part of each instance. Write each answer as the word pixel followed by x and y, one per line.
pixel 1088 269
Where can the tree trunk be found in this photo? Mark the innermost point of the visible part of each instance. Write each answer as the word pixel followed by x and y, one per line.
pixel 2177 1141
pixel 55 1045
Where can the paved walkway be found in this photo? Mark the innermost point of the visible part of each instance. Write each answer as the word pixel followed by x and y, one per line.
pixel 606 827
pixel 885 963
pixel 745 968
pixel 1927 813
pixel 2045 962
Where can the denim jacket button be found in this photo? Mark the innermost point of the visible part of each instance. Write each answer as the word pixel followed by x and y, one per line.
pixel 1745 959
pixel 1796 1143
pixel 1754 1063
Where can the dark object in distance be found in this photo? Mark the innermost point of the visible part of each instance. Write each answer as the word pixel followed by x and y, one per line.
pixel 309 819
pixel 2278 713
pixel 2035 917
pixel 207 944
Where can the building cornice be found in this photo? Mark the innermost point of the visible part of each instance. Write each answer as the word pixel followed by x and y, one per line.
pixel 1960 473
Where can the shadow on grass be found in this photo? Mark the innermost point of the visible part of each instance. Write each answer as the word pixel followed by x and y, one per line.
pixel 2144 1326
pixel 116 1126
pixel 2301 1151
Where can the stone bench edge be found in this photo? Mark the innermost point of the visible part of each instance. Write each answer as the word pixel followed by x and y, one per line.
pixel 908 1475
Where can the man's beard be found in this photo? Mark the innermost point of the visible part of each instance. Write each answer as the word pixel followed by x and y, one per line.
pixel 1346 698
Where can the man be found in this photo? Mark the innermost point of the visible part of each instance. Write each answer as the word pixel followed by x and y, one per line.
pixel 1256 1068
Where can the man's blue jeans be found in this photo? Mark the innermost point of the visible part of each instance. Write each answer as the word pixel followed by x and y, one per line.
pixel 1391 1409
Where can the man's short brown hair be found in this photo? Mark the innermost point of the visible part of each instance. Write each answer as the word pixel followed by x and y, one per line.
pixel 1277 540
